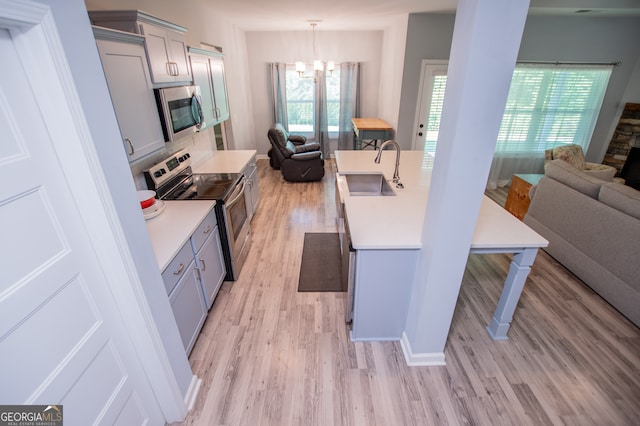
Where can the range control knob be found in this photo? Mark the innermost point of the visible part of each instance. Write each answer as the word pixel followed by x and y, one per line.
pixel 163 171
pixel 157 174
pixel 187 155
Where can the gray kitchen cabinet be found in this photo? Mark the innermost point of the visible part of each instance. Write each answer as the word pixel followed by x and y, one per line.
pixel 208 73
pixel 165 43
pixel 252 195
pixel 185 295
pixel 126 69
pixel 188 305
pixel 206 246
pixel 193 277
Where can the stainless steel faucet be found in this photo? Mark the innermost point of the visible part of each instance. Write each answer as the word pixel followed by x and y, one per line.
pixel 396 176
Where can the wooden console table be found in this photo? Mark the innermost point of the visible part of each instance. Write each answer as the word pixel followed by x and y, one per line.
pixel 371 130
pixel 518 199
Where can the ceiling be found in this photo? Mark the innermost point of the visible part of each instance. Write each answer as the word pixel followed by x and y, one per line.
pixel 266 15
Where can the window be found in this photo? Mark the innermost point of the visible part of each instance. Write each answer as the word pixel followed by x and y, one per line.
pixel 548 105
pixel 301 104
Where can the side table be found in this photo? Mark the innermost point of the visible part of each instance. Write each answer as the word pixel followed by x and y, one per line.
pixel 371 130
pixel 518 199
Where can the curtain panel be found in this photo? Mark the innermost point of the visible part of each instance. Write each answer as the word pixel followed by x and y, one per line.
pixel 349 102
pixel 279 93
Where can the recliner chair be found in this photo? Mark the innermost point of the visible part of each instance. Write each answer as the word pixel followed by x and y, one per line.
pixel 297 159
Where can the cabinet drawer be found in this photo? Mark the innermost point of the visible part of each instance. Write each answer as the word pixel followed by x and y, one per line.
pixel 203 231
pixel 176 268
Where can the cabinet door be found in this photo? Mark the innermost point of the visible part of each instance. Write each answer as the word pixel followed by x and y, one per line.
pixel 211 265
pixel 219 89
pixel 178 56
pixel 188 307
pixel 126 70
pixel 167 54
pixel 201 70
pixel 158 53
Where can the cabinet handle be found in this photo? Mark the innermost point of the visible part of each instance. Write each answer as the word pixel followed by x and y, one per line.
pixel 172 69
pixel 180 269
pixel 206 231
pixel 204 267
pixel 131 149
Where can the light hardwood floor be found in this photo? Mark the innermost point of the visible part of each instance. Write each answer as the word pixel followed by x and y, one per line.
pixel 271 356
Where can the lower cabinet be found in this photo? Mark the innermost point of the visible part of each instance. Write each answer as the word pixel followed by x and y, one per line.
pixel 193 278
pixel 210 264
pixel 188 306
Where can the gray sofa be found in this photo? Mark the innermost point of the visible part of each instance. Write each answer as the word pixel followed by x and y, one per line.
pixel 593 228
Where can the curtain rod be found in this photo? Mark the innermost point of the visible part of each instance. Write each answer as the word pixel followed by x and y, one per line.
pixel 615 64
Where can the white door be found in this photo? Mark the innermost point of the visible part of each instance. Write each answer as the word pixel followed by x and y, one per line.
pixel 430 97
pixel 62 338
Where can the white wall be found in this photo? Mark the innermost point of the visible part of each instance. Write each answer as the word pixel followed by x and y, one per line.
pixel 264 47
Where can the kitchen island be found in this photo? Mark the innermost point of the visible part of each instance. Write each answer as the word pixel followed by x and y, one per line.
pixel 386 232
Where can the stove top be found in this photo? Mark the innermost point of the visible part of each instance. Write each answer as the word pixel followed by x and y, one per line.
pixel 203 186
pixel 173 179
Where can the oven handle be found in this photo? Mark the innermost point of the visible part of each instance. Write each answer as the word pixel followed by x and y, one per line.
pixel 237 193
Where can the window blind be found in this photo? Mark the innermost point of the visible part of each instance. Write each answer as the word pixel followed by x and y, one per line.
pixel 547 105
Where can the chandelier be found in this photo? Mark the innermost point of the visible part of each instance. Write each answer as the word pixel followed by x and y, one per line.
pixel 318 65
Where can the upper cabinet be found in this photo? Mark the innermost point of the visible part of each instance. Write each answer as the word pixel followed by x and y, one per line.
pixel 125 67
pixel 208 73
pixel 165 44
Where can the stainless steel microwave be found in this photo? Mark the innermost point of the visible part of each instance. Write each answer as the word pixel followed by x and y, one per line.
pixel 180 110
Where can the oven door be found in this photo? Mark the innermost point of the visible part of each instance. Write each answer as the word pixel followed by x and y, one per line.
pixel 238 226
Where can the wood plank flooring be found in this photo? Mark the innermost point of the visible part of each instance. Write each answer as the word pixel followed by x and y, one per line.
pixel 271 356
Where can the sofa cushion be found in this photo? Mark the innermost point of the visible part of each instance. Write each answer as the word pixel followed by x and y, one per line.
pixel 621 197
pixel 565 173
pixel 291 147
pixel 297 139
pixel 603 173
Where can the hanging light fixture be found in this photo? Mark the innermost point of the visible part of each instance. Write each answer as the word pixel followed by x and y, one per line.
pixel 318 65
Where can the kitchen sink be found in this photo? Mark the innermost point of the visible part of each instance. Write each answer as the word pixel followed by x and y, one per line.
pixel 368 184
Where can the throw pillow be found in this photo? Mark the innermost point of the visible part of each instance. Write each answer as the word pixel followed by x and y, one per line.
pixel 571 154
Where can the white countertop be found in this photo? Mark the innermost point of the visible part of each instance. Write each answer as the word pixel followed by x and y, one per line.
pixel 173 227
pixel 225 162
pixel 395 222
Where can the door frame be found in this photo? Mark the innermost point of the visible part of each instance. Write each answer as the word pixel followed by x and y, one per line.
pixel 33 28
pixel 424 97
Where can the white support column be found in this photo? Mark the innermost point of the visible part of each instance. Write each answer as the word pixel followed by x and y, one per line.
pixel 485 45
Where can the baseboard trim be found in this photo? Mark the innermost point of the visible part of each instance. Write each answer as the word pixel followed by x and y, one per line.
pixel 192 392
pixel 428 359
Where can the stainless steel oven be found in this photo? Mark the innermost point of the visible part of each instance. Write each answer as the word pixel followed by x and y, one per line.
pixel 232 212
pixel 173 179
